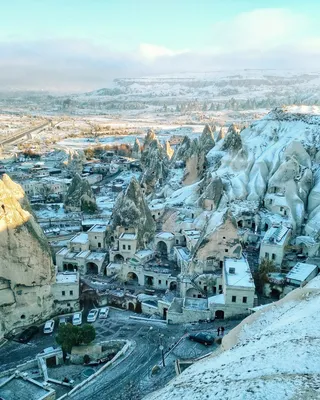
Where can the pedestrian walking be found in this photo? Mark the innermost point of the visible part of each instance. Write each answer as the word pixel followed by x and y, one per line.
pixel 218 331
pixel 222 330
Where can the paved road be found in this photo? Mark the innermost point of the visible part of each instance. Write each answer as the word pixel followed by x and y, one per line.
pixel 132 378
pixel 22 134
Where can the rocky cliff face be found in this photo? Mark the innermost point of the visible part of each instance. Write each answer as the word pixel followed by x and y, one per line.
pixel 26 268
pixel 80 196
pixel 132 211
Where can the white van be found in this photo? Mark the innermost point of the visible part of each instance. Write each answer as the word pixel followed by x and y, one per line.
pixel 104 312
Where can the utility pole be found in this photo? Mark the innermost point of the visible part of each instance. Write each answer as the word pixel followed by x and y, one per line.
pixel 161 348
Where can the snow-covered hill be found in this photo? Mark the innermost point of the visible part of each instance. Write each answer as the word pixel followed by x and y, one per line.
pixel 275 161
pixel 272 354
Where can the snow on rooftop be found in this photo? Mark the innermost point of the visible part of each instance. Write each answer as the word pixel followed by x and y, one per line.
pixel 276 235
pixel 95 221
pixel 195 303
pixel 98 228
pixel 144 253
pixel 183 252
pixel 128 236
pixel 218 299
pixel 301 271
pixel 67 277
pixel 165 235
pixel 96 256
pixel 237 273
pixel 81 238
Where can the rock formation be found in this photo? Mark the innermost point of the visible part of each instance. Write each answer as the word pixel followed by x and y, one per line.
pixel 136 149
pixel 80 196
pixel 212 190
pixel 150 137
pixel 26 268
pixel 132 211
pixel 155 164
pixel 74 161
pixel 193 154
pixel 169 150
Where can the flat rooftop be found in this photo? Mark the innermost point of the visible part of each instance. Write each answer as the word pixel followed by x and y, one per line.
pixel 20 389
pixel 276 235
pixel 192 233
pixel 96 256
pixel 165 235
pixel 66 277
pixel 195 303
pixel 81 238
pixel 301 271
pixel 237 273
pixel 183 253
pixel 98 228
pixel 128 236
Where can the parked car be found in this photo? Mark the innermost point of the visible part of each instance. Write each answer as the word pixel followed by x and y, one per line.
pixel 63 320
pixel 48 326
pixel 93 314
pixel 27 334
pixel 202 337
pixel 104 312
pixel 77 318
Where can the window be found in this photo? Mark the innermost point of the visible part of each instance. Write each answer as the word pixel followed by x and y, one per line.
pixel 220 287
pixel 63 293
pixel 129 247
pixel 123 246
pixel 234 299
pixel 99 244
pixel 281 208
pixel 224 237
pixel 199 282
pixel 226 250
pixel 244 299
pixel 95 237
pixel 68 304
pixel 266 255
pixel 159 281
pixel 273 256
pixel 71 292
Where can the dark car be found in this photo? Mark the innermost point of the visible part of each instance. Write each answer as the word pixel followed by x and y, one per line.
pixel 202 337
pixel 27 334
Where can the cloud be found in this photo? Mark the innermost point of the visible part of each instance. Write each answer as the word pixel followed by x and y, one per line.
pixel 260 39
pixel 152 52
pixel 259 29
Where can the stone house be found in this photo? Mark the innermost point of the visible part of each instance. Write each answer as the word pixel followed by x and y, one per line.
pixel 66 291
pixel 273 244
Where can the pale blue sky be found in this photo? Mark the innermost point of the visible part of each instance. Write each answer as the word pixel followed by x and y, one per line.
pixel 97 38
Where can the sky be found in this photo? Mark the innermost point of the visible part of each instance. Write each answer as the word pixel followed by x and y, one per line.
pixel 78 45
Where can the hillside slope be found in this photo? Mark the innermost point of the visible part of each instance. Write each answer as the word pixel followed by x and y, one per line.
pixel 272 354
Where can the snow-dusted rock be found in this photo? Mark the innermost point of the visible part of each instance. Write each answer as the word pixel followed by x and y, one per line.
pixel 80 196
pixel 26 267
pixel 132 211
pixel 272 354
